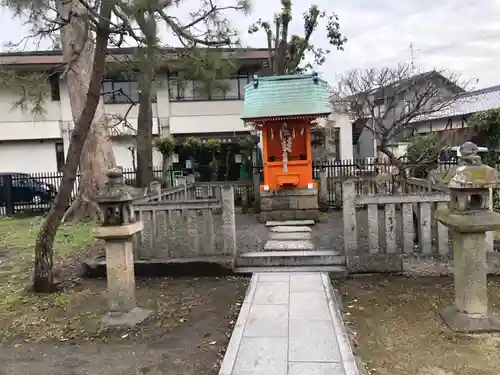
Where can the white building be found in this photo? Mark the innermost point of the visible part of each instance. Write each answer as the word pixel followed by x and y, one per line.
pixel 39 144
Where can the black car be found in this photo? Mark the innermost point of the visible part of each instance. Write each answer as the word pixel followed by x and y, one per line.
pixel 26 189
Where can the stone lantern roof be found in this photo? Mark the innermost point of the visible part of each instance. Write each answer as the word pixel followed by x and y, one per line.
pixel 471 173
pixel 115 190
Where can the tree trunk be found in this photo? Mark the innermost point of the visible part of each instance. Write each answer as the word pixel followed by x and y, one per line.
pixel 73 37
pixel 97 156
pixel 166 169
pixel 145 139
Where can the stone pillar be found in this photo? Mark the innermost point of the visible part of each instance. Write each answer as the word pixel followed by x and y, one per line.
pixel 155 188
pixel 323 191
pixel 256 188
pixel 470 273
pixel 349 218
pixel 470 218
pixel 228 221
pixel 120 276
pixel 118 227
pixel 490 236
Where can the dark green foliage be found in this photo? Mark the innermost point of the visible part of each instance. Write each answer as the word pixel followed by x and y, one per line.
pixel 423 153
pixel 488 125
pixel 287 52
pixel 165 145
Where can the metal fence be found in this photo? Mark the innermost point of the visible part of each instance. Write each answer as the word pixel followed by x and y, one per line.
pixel 35 192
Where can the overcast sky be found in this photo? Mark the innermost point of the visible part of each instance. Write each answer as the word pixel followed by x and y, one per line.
pixel 461 36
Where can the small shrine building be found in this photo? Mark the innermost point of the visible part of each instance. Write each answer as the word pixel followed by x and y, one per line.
pixel 284 108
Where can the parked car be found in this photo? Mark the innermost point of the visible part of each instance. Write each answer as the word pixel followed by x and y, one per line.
pixel 26 189
pixel 453 154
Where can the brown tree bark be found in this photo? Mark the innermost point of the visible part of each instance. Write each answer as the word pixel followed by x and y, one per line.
pixel 144 175
pixel 97 156
pixel 74 37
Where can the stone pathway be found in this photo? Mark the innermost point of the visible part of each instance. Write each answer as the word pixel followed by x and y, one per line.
pixel 289 324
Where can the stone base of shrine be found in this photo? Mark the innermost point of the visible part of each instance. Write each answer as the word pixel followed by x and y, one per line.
pixel 289 204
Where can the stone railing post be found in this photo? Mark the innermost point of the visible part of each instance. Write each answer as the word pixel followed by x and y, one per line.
pixel 190 192
pixel 256 188
pixel 228 221
pixel 155 188
pixel 349 218
pixel 118 228
pixel 490 236
pixel 323 190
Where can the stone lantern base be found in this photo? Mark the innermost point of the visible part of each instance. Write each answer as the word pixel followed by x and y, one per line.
pixel 468 323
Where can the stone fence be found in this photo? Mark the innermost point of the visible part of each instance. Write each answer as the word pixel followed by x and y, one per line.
pixel 188 229
pixel 399 233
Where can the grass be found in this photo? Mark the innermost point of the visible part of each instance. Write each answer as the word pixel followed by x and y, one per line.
pixel 21 312
pixel 399 331
pixel 74 315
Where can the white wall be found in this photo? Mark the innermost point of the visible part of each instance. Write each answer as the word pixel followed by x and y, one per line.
pixel 28 156
pixel 208 116
pixel 123 155
pixel 169 117
pixel 344 123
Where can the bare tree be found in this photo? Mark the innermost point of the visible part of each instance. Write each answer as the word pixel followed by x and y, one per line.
pixel 287 52
pixel 390 102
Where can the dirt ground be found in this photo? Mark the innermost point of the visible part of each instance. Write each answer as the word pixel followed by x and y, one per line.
pixel 186 335
pixel 397 329
pixel 61 334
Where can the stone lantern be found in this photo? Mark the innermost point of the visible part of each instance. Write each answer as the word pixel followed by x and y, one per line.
pixel 115 201
pixel 118 228
pixel 469 218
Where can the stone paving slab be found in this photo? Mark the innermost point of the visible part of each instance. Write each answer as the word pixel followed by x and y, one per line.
pixel 289 324
pixel 291 236
pixel 289 223
pixel 288 245
pixel 293 229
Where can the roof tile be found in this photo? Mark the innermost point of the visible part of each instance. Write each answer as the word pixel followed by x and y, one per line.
pixel 288 95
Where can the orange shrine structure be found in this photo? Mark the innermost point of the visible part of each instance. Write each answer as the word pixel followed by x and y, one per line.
pixel 284 108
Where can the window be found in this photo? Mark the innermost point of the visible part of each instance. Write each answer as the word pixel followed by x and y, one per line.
pixel 60 155
pixel 200 91
pixel 184 90
pixel 121 92
pixel 380 110
pixel 55 92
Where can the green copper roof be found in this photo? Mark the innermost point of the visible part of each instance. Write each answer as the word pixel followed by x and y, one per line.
pixel 289 95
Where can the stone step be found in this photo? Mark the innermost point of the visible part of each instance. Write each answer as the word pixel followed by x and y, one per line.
pixel 290 236
pixel 289 223
pixel 276 245
pixel 335 272
pixel 284 229
pixel 290 258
